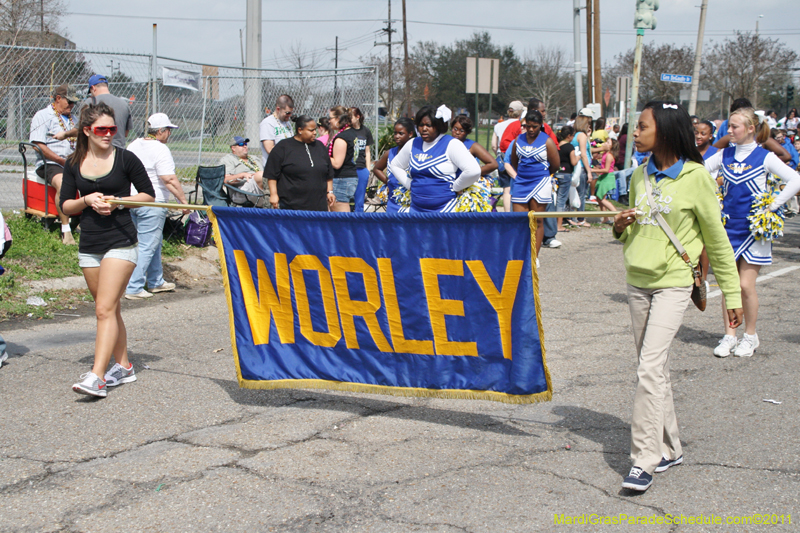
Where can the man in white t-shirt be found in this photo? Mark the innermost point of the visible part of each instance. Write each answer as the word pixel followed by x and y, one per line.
pixel 276 127
pixel 45 124
pixel 515 109
pixel 149 221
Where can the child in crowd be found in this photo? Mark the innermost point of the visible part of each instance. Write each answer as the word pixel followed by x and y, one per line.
pixel 605 181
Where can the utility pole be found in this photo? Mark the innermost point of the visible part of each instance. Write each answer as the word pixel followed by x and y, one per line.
pixel 643 20
pixel 576 53
pixel 335 51
pixel 405 62
pixel 41 15
pixel 388 29
pixel 758 46
pixel 698 54
pixel 336 73
pixel 389 48
pixel 597 62
pixel 589 78
pixel 252 93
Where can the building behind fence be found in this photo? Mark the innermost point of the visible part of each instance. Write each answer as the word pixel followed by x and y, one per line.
pixel 208 115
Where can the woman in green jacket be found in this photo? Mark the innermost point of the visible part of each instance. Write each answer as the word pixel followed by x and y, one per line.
pixel 659 280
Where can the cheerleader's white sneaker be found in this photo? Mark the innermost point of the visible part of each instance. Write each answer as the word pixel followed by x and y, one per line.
pixel 726 346
pixel 747 346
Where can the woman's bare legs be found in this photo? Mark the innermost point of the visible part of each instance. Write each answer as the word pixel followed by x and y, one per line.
pixel 107 285
pixel 747 279
pixel 533 205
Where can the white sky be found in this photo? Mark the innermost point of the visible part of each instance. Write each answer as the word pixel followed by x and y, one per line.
pixel 215 39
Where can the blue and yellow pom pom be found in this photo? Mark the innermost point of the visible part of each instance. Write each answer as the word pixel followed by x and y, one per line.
pixel 402 196
pixel 766 225
pixel 383 193
pixel 475 198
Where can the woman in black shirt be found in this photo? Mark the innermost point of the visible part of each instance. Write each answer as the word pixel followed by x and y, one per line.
pixel 299 171
pixel 343 158
pixel 568 158
pixel 108 247
pixel 362 141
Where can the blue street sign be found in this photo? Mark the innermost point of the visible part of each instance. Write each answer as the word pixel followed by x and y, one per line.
pixel 676 78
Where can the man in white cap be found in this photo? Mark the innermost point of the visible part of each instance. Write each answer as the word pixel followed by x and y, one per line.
pixel 157 159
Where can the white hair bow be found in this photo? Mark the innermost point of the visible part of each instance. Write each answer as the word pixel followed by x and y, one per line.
pixel 761 116
pixel 671 106
pixel 444 113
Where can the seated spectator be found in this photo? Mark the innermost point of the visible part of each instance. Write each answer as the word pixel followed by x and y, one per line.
pixel 244 172
pixel 46 123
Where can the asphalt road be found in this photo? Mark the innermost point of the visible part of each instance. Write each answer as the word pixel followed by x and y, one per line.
pixel 184 449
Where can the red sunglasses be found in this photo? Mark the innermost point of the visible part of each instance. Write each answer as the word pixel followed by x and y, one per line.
pixel 102 131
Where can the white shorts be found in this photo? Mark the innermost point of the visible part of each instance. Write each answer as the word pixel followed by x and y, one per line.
pixel 93 260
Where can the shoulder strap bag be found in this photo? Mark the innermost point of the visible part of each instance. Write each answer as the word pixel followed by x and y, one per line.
pixel 700 287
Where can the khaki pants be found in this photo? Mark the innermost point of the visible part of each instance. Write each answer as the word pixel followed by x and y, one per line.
pixel 656 316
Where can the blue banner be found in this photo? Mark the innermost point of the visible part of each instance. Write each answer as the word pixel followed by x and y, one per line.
pixel 442 305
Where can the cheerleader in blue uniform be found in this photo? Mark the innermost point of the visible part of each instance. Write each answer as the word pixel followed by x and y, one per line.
pixel 744 169
pixel 439 166
pixel 533 155
pixel 403 132
pixel 703 136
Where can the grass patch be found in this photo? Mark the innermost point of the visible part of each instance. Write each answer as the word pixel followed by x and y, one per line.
pixel 38 254
pixel 187 174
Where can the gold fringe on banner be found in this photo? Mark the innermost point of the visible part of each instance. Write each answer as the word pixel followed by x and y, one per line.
pixel 456 394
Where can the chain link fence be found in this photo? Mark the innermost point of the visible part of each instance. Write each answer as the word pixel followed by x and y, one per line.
pixel 208 114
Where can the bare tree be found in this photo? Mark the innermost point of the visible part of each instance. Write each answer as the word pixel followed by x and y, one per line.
pixel 21 18
pixel 656 59
pixel 749 66
pixel 546 75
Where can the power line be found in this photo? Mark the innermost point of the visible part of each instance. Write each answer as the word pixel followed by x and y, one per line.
pixel 780 31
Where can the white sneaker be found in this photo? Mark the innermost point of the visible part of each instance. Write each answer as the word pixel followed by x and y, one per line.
pixel 138 296
pixel 726 346
pixel 3 357
pixel 164 287
pixel 747 346
pixel 554 243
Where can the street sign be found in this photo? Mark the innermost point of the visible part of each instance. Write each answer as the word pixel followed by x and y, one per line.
pixel 702 96
pixel 488 75
pixel 676 78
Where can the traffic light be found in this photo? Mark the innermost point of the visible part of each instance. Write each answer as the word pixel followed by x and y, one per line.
pixel 644 18
pixel 790 92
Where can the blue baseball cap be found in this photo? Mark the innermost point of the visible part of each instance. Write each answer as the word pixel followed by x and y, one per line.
pixel 97 78
pixel 238 140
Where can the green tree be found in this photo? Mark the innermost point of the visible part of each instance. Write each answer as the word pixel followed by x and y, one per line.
pixel 445 71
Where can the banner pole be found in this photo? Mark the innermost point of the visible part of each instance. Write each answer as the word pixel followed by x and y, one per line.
pixel 533 214
pixel 165 205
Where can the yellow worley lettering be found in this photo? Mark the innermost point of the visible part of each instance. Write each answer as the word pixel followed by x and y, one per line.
pixel 349 308
pixel 268 301
pixel 502 301
pixel 326 339
pixel 401 344
pixel 438 308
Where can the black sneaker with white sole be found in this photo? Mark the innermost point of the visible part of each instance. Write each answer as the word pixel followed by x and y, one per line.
pixel 638 480
pixel 666 463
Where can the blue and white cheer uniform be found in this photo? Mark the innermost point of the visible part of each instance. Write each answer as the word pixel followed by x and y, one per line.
pixel 533 171
pixel 392 185
pixel 744 169
pixel 436 172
